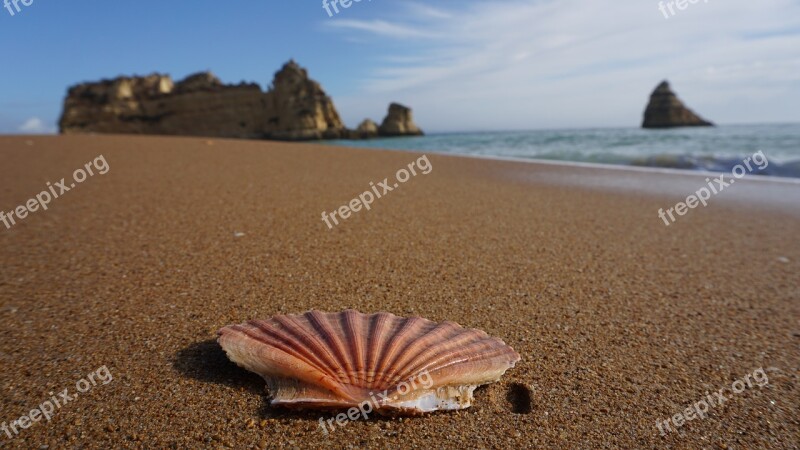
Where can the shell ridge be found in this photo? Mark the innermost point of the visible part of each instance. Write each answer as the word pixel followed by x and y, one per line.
pixel 350 322
pixel 377 337
pixel 407 345
pixel 436 352
pixel 411 341
pixel 480 351
pixel 461 338
pixel 270 337
pixel 325 380
pixel 485 361
pixel 321 323
pixel 326 361
pixel 421 344
pixel 392 347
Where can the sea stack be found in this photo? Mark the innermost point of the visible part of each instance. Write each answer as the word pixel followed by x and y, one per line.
pixel 665 110
pixel 399 122
pixel 298 109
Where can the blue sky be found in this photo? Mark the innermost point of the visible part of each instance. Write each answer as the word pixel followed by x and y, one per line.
pixel 462 65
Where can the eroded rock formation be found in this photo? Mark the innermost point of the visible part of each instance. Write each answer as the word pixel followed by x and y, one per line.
pixel 200 105
pixel 298 109
pixel 665 110
pixel 399 122
pixel 294 108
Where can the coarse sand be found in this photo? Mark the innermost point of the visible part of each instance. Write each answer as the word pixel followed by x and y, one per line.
pixel 620 320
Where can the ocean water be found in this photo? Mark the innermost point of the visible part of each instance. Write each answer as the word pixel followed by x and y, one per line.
pixel 716 149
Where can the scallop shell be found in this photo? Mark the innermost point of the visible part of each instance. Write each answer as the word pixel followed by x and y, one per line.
pixel 345 359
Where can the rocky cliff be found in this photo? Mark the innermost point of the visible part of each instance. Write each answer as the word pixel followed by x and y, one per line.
pixel 665 110
pixel 294 108
pixel 200 105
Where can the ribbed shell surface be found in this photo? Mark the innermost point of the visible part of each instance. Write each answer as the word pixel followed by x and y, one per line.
pixel 350 354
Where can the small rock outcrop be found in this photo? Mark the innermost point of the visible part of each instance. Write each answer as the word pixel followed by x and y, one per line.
pixel 295 107
pixel 399 122
pixel 665 110
pixel 367 129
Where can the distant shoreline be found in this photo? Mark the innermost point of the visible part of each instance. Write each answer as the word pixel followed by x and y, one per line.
pixel 700 150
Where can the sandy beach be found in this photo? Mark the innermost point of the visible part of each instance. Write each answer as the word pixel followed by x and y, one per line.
pixel 620 321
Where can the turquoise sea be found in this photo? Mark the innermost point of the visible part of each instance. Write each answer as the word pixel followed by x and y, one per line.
pixel 714 149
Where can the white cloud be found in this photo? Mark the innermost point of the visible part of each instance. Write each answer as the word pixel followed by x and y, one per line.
pixel 425 11
pixel 560 63
pixel 35 125
pixel 380 27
